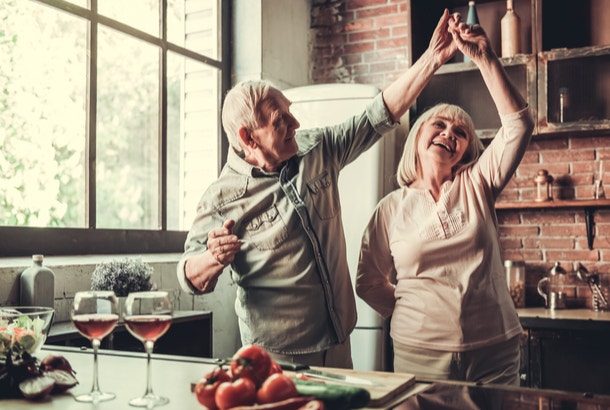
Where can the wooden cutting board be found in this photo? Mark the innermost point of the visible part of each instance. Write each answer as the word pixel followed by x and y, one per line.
pixel 390 384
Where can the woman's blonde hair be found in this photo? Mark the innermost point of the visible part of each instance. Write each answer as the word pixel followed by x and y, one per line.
pixel 409 164
pixel 242 109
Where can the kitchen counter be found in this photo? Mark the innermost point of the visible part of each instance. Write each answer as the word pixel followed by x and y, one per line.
pixel 123 373
pixel 564 319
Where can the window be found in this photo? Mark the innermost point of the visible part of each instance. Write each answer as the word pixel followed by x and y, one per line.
pixel 109 122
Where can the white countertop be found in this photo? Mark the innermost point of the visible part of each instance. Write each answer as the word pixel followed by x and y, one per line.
pixel 124 373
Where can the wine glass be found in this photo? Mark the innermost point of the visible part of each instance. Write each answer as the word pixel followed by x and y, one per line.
pixel 95 314
pixel 148 315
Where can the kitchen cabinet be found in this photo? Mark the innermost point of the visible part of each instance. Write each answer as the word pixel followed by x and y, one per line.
pixel 563 70
pixel 189 335
pixel 566 350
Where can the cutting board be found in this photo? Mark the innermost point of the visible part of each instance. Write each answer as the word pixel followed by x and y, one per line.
pixel 390 384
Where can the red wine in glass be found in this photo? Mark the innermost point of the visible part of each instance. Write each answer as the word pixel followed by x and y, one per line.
pixel 95 326
pixel 151 327
pixel 95 314
pixel 148 315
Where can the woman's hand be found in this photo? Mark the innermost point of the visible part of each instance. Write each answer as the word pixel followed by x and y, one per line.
pixel 441 43
pixel 470 39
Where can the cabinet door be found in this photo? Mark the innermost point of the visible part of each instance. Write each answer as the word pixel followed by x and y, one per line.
pixel 575 361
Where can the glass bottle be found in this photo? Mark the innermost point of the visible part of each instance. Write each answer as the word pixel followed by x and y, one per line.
pixel 510 31
pixel 37 284
pixel 515 277
pixel 471 18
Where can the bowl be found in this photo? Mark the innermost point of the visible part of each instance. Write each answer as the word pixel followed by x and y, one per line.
pixel 24 329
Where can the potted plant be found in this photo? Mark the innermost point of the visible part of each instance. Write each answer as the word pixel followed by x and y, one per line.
pixel 122 276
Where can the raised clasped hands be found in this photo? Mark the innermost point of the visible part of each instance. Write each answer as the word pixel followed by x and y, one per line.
pixel 470 39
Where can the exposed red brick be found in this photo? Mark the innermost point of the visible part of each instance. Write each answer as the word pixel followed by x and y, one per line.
pixel 368 35
pixel 360 47
pixel 567 255
pixel 362 4
pixel 548 243
pixel 377 11
pixel 567 155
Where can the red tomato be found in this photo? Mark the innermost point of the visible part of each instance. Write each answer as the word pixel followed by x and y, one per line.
pixel 274 368
pixel 251 362
pixel 241 392
pixel 277 387
pixel 205 390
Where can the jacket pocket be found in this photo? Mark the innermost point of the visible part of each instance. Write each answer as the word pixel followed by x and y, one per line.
pixel 267 231
pixel 325 196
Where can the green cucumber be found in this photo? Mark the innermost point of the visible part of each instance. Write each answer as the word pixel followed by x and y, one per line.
pixel 334 396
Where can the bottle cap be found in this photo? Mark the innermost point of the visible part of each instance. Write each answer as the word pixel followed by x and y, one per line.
pixel 510 264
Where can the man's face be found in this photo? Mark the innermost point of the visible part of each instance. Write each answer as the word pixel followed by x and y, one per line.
pixel 275 141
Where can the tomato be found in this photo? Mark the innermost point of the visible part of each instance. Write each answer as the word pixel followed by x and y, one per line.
pixel 241 392
pixel 251 362
pixel 277 387
pixel 274 368
pixel 205 390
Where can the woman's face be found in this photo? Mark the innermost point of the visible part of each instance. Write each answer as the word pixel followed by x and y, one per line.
pixel 442 141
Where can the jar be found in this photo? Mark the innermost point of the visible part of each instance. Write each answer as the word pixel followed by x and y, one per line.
pixel 543 186
pixel 515 277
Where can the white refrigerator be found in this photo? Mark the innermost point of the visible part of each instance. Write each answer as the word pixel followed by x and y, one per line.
pixel 361 185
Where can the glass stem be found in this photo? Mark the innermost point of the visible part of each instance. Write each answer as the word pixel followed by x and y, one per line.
pixel 148 347
pixel 95 343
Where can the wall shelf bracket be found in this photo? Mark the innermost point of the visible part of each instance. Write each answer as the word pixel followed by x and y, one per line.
pixel 590 223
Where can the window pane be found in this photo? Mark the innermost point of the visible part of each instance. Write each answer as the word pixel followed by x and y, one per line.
pixel 127 169
pixel 195 25
pixel 140 14
pixel 42 116
pixel 193 132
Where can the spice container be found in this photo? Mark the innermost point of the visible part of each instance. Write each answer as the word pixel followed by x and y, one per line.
pixel 515 277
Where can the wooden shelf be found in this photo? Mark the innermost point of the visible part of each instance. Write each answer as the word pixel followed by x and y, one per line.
pixel 589 206
pixel 556 203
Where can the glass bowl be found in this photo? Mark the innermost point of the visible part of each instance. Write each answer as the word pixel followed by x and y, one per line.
pixel 24 329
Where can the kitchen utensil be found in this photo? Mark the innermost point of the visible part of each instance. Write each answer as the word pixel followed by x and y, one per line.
pixel 325 375
pixel 551 288
pixel 592 280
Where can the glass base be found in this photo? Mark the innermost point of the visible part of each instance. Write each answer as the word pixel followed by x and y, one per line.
pixel 94 397
pixel 149 400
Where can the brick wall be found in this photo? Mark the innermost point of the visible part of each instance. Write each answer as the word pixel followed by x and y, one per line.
pixel 366 41
pixel 359 41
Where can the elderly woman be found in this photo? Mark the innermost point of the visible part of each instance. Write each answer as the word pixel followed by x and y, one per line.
pixel 430 255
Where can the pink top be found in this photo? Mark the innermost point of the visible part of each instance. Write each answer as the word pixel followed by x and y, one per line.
pixel 436 267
